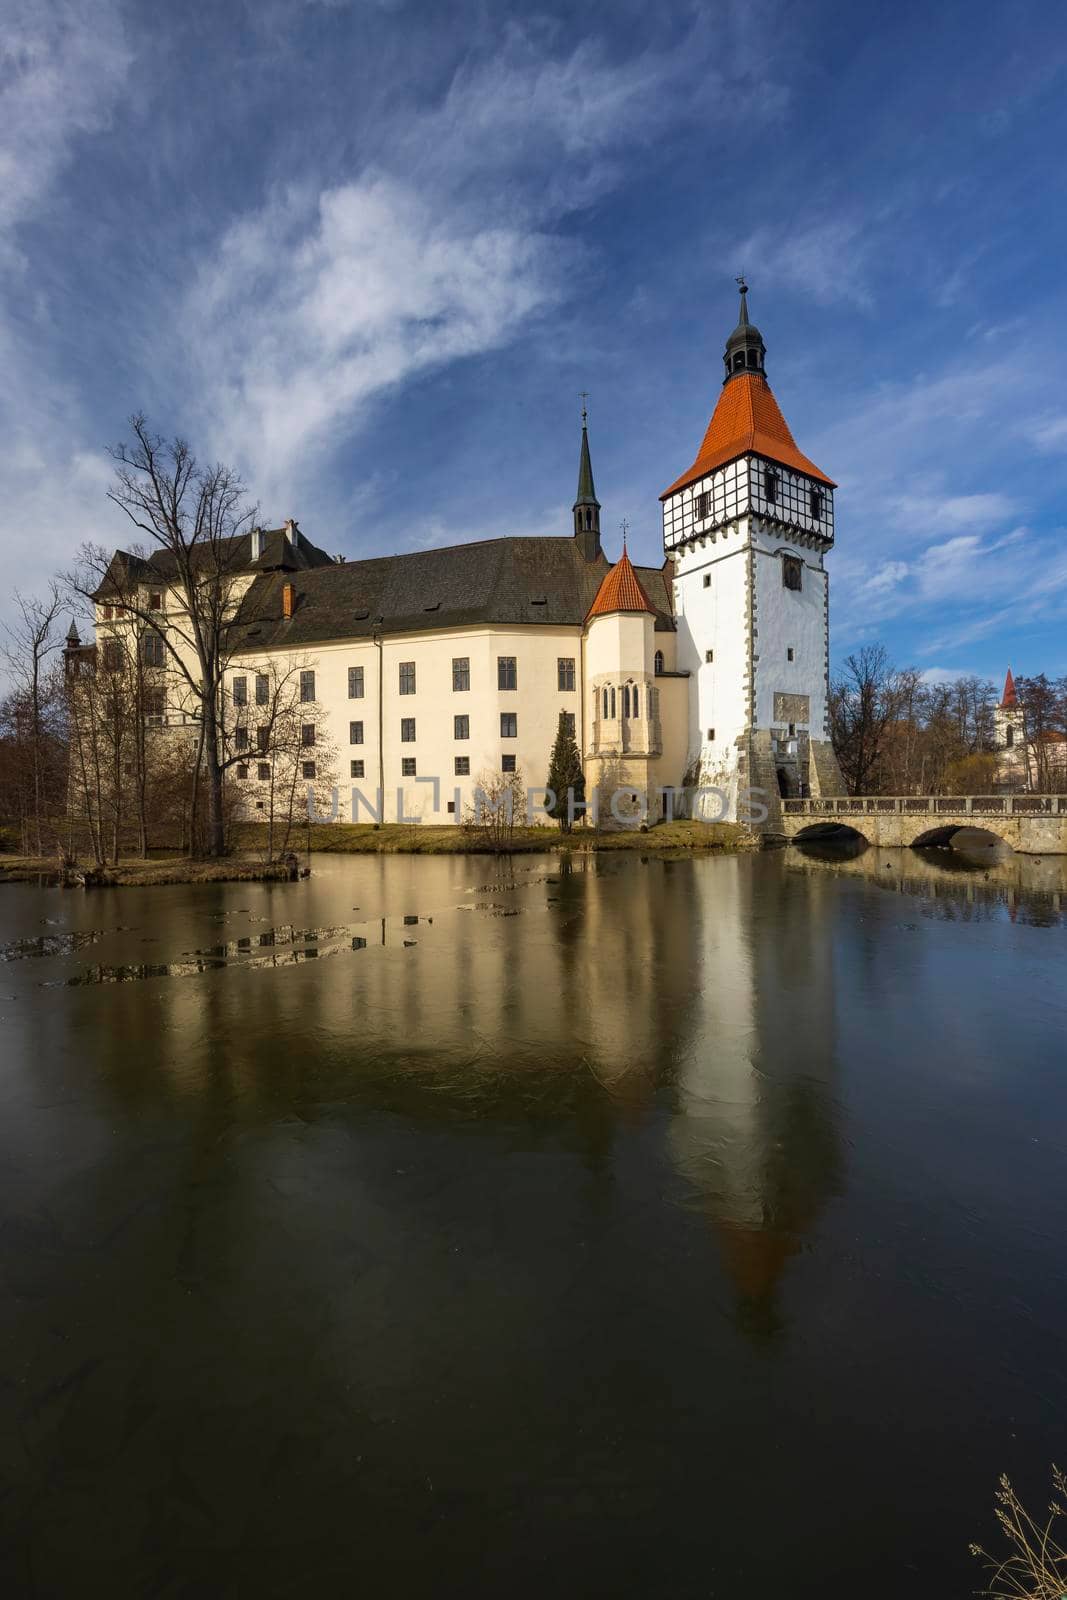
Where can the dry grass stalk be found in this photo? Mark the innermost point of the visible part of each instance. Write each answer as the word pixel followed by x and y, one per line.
pixel 1036 1569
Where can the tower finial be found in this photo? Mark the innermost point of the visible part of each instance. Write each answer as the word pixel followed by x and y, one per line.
pixel 745 350
pixel 583 395
pixel 625 526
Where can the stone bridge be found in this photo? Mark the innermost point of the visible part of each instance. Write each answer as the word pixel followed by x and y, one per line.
pixel 1034 824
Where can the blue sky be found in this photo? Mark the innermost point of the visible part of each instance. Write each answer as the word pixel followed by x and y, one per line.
pixel 371 251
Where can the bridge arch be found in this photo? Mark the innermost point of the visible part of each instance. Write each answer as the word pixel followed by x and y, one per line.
pixel 829 833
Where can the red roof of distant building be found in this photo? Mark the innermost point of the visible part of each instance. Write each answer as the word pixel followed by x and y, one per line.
pixel 620 590
pixel 1009 698
pixel 747 420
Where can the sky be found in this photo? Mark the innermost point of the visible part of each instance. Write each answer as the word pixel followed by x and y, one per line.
pixel 371 251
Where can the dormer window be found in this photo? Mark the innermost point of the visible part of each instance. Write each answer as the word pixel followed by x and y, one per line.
pixel 816 504
pixel 770 485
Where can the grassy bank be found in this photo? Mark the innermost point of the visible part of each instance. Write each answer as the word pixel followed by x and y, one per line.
pixel 247 865
pixel 141 874
pixel 347 838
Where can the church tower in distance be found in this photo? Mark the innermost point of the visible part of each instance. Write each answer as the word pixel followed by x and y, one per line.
pixel 749 525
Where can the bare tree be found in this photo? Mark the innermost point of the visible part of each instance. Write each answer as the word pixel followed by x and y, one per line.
pixel 197 515
pixel 30 711
pixel 281 748
pixel 864 703
pixel 1044 715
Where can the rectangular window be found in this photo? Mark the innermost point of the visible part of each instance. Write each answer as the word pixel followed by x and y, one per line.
pixel 461 727
pixel 240 691
pixel 307 769
pixel 407 730
pixel 565 672
pixel 568 723
pixel 507 672
pixel 155 602
pixel 461 673
pixel 711 735
pixel 240 739
pixel 816 504
pixel 262 689
pixel 770 485
pixel 355 683
pixel 154 650
pixel 509 725
pixel 792 572
pixel 463 766
pixel 703 507
pixel 262 738
pixel 407 677
pixel 355 733
pixel 451 807
pixel 407 767
pixel 709 655
pixel 790 654
pixel 307 686
pixel 707 580
pixel 263 770
pixel 356 769
pixel 242 770
pixel 792 730
pixel 112 655
pixel 307 734
pixel 155 705
pixel 507 763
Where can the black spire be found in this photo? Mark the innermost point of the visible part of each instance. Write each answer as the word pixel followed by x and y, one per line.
pixel 586 506
pixel 745 349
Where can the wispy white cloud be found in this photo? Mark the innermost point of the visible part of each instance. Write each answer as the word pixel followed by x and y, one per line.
pixel 825 261
pixel 321 300
pixel 1051 434
pixel 61 69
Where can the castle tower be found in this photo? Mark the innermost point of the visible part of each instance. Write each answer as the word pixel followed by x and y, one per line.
pixel 624 731
pixel 586 505
pixel 1009 737
pixel 749 525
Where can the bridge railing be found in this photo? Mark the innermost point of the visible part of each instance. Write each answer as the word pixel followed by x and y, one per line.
pixel 956 805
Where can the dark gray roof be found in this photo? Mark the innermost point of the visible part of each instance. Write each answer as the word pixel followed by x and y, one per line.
pixel 498 581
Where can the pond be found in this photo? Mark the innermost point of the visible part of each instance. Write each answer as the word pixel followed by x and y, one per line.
pixel 643 1227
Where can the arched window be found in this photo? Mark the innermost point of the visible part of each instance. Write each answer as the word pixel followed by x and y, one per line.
pixel 605 702
pixel 1009 736
pixel 637 712
pixel 613 700
pixel 626 699
pixel 658 662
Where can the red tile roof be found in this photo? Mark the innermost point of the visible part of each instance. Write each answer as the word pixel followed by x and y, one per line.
pixel 620 591
pixel 1009 697
pixel 747 419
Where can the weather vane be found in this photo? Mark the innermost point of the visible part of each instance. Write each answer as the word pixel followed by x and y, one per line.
pixel 583 395
pixel 625 526
pixel 740 281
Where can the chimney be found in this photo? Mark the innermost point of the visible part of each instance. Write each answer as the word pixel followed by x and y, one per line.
pixel 291 530
pixel 288 600
pixel 257 543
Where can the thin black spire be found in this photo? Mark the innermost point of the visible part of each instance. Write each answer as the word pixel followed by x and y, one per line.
pixel 586 506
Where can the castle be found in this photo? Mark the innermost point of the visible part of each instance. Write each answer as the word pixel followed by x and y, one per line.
pixel 430 669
